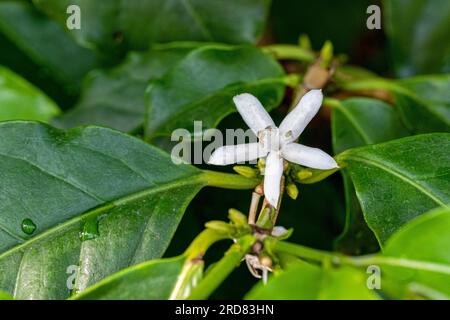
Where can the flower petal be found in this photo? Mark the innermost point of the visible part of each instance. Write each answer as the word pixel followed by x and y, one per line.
pixel 272 178
pixel 308 157
pixel 239 153
pixel 253 113
pixel 296 121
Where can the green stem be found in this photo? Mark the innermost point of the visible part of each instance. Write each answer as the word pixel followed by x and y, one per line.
pixel 374 84
pixel 290 52
pixel 228 180
pixel 362 261
pixel 319 175
pixel 202 242
pixel 331 102
pixel 223 268
pixel 368 260
pixel 298 250
pixel 193 266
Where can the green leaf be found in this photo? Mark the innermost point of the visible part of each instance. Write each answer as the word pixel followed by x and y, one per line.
pixel 153 280
pixel 362 121
pixel 115 97
pixel 424 103
pixel 61 59
pixel 399 180
pixel 171 278
pixel 21 100
pixel 425 239
pixel 358 122
pixel 5 296
pixel 418 33
pixel 122 196
pixel 141 23
pixel 202 85
pixel 303 281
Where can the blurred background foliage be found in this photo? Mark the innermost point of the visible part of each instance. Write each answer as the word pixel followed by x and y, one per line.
pixel 81 70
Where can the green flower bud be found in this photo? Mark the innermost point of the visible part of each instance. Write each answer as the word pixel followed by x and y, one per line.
pixel 219 226
pixel 292 190
pixel 246 171
pixel 237 217
pixel 304 174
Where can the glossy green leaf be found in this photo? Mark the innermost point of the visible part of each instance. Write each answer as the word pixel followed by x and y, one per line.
pixel 171 278
pixel 424 103
pixel 362 121
pixel 21 100
pixel 202 85
pixel 61 59
pixel 121 196
pixel 153 280
pixel 399 180
pixel 357 122
pixel 426 240
pixel 141 22
pixel 418 33
pixel 115 97
pixel 303 281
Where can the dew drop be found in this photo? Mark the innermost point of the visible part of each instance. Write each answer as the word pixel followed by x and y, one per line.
pixel 89 230
pixel 28 226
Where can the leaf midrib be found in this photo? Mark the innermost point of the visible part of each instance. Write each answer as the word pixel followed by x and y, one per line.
pixel 354 123
pixel 406 263
pixel 196 179
pixel 191 11
pixel 400 175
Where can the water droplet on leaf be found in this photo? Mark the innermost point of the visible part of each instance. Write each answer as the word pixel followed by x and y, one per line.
pixel 89 230
pixel 28 226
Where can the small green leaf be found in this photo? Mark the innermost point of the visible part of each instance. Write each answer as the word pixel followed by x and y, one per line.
pixel 201 87
pixel 399 180
pixel 20 100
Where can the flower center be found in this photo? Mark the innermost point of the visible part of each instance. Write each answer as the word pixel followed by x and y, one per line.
pixel 269 139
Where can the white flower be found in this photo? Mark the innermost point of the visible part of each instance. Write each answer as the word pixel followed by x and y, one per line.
pixel 275 143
